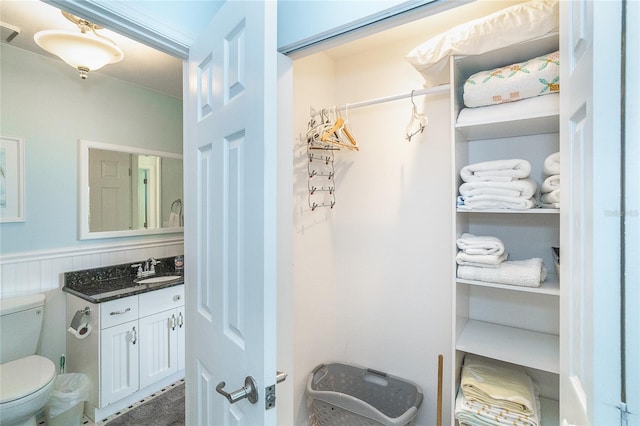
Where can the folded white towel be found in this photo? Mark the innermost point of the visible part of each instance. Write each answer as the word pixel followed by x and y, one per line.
pixel 551 164
pixel 550 205
pixel 174 220
pixel 497 171
pixel 525 273
pixel 524 188
pixel 551 197
pixel 550 183
pixel 480 260
pixel 479 244
pixel 487 202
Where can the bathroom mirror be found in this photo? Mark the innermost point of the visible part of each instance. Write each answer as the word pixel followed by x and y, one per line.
pixel 126 191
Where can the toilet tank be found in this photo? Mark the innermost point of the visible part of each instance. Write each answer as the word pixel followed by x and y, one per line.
pixel 20 325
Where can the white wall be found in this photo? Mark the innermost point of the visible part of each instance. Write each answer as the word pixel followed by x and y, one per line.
pixel 372 277
pixel 45 102
pixel 314 285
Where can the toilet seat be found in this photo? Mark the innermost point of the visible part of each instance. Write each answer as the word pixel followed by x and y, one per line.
pixel 25 376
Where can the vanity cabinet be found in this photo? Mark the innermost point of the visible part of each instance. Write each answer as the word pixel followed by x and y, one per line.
pixel 136 347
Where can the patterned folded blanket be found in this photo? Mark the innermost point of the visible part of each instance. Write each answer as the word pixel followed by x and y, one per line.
pixel 535 77
pixel 490 382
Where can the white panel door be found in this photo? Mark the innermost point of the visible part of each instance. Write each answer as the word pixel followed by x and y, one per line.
pixel 632 214
pixel 180 339
pixel 590 216
pixel 230 177
pixel 110 190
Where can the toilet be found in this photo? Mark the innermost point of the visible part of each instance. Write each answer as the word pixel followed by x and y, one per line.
pixel 26 379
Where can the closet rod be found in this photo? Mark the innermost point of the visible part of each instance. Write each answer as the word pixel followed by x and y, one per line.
pixel 419 92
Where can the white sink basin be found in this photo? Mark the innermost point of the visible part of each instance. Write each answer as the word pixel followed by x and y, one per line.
pixel 158 279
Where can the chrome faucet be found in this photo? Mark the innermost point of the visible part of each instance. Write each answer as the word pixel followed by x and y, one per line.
pixel 148 267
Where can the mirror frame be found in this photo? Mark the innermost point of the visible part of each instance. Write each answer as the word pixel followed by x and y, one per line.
pixel 83 191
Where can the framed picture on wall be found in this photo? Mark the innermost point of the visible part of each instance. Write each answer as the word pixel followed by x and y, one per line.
pixel 11 179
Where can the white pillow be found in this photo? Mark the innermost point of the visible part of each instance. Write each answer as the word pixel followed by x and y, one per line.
pixel 515 24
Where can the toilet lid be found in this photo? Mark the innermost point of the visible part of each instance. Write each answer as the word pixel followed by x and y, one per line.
pixel 25 376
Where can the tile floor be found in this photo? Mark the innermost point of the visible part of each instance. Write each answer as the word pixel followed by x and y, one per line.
pixel 42 421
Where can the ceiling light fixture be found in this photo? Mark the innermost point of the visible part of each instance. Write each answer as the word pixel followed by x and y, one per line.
pixel 86 51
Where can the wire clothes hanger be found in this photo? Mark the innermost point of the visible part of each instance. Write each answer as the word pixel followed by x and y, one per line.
pixel 417 123
pixel 344 130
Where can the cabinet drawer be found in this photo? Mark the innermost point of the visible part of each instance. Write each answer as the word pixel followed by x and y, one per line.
pixel 161 300
pixel 118 311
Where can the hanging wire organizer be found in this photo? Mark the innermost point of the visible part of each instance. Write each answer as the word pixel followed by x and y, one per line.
pixel 321 176
pixel 320 167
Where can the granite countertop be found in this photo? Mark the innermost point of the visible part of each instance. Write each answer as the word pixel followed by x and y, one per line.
pixel 115 282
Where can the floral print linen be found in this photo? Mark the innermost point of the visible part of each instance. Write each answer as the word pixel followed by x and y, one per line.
pixel 535 77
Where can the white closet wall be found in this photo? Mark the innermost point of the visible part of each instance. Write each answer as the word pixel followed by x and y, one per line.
pixel 372 275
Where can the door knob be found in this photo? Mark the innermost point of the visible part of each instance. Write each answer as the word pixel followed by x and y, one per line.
pixel 249 391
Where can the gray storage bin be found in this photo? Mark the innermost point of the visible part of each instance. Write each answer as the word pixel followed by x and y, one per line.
pixel 348 395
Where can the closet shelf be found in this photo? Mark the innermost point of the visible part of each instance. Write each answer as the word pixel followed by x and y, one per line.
pixel 506 211
pixel 514 127
pixel 520 52
pixel 551 286
pixel 515 345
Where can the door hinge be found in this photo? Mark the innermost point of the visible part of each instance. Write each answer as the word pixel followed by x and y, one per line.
pixel 624 413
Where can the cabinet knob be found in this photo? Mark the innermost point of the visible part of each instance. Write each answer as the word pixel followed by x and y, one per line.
pixel 173 322
pixel 120 312
pixel 177 297
pixel 134 336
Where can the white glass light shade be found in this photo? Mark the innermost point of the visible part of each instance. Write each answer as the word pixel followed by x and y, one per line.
pixel 79 50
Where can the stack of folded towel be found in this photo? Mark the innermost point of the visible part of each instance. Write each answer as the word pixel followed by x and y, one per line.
pixel 498 184
pixel 493 393
pixel 480 251
pixel 483 258
pixel 550 189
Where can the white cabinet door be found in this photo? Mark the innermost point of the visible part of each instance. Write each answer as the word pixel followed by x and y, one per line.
pixel 158 347
pixel 119 362
pixel 180 330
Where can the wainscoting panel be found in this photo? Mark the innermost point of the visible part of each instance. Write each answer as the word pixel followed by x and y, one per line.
pixel 41 271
